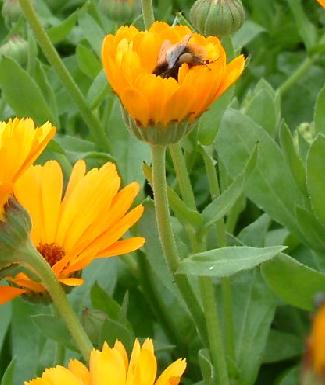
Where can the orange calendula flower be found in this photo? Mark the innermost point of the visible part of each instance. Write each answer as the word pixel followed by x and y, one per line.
pixel 71 229
pixel 322 3
pixel 316 343
pixel 21 143
pixel 166 77
pixel 111 367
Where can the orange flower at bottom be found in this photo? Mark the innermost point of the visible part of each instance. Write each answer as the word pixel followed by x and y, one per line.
pixel 70 231
pixel 322 3
pixel 21 143
pixel 111 367
pixel 316 343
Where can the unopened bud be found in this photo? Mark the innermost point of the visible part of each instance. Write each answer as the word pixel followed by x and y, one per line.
pixel 11 11
pixel 15 227
pixel 16 48
pixel 217 17
pixel 120 10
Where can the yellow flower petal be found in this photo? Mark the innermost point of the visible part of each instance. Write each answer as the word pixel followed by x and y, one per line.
pixel 70 230
pixel 110 366
pixel 80 371
pixel 20 145
pixel 61 376
pixel 172 375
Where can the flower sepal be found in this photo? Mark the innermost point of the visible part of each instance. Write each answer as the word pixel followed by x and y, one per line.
pixel 157 134
pixel 310 378
pixel 15 227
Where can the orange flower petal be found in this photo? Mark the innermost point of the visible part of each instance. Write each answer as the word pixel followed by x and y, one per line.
pixel 8 293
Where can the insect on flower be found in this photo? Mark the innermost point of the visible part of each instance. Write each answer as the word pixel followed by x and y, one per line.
pixel 172 56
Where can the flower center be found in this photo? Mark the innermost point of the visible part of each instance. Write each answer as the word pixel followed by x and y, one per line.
pixel 51 252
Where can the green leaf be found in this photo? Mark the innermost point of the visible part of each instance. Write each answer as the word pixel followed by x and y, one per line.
pixel 24 335
pixel 113 330
pixel 319 114
pixel 248 32
pixel 98 90
pixel 4 321
pixel 305 282
pixel 264 99
pixel 54 328
pixel 104 302
pixel 60 31
pixel 313 231
pixel 206 366
pixel 291 377
pixel 92 31
pixel 41 77
pixel 255 233
pixel 306 28
pixel 22 92
pixel 293 160
pixel 8 376
pixel 183 212
pixel 209 123
pixel 254 307
pixel 282 346
pixel 316 177
pixel 87 61
pixel 227 261
pixel 220 206
pixel 273 191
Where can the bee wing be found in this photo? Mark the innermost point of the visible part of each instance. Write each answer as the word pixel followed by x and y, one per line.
pixel 176 50
pixel 162 57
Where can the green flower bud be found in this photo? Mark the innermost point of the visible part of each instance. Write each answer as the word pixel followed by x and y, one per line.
pixel 308 132
pixel 120 10
pixel 11 11
pixel 16 48
pixel 217 17
pixel 15 227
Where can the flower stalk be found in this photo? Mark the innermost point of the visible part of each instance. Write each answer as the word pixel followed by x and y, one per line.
pixel 95 127
pixel 33 260
pixel 147 13
pixel 167 239
pixel 222 242
pixel 301 70
pixel 210 306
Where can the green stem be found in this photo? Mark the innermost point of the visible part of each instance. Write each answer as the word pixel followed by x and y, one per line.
pixel 182 176
pixel 147 13
pixel 159 184
pixel 225 282
pixel 214 330
pixel 300 71
pixel 210 305
pixel 296 75
pixel 96 130
pixel 43 270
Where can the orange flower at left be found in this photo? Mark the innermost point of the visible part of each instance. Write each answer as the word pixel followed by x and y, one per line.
pixel 72 228
pixel 21 143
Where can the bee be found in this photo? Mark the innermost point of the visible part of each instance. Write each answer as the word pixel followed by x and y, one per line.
pixel 172 56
